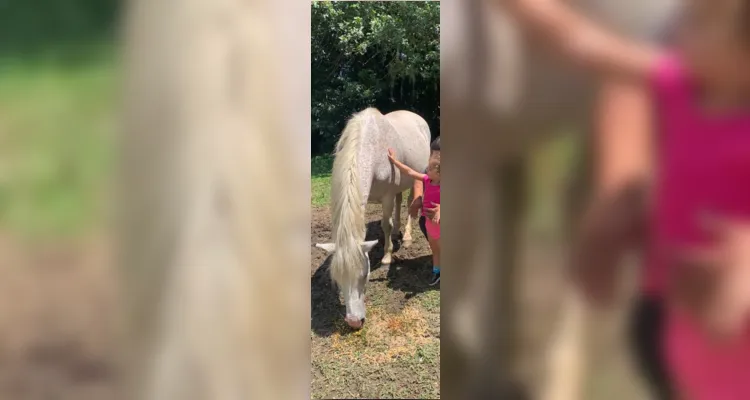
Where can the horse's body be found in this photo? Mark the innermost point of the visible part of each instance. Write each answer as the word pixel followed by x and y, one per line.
pixel 363 174
pixel 503 97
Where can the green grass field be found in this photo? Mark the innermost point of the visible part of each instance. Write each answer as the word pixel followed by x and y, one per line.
pixel 56 120
pixel 321 180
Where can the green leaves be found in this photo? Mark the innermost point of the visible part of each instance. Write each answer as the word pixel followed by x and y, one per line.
pixel 382 54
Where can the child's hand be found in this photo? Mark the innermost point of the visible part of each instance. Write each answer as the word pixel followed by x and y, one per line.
pixel 714 282
pixel 433 213
pixel 594 264
pixel 415 206
pixel 391 155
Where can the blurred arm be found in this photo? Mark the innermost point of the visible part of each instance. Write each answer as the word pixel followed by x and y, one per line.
pixel 623 148
pixel 615 220
pixel 417 189
pixel 582 40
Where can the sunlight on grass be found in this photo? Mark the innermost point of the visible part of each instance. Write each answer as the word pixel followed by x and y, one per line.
pixel 55 130
pixel 321 180
pixel 430 300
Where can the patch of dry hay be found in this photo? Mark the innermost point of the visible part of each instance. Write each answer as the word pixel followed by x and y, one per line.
pixel 386 337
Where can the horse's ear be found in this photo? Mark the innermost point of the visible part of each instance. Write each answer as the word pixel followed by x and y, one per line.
pixel 367 246
pixel 328 247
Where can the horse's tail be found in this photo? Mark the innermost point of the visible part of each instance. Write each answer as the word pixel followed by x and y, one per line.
pixel 348 216
pixel 207 257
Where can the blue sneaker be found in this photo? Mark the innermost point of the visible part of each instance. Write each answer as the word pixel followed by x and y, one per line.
pixel 435 276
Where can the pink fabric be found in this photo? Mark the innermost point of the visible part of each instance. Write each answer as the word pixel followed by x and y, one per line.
pixel 433 229
pixel 431 195
pixel 704 165
pixel 431 198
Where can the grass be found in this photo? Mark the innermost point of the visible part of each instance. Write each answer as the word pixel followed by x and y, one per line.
pixel 397 353
pixel 56 120
pixel 321 180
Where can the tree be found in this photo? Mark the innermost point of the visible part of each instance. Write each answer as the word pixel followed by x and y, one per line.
pixel 381 54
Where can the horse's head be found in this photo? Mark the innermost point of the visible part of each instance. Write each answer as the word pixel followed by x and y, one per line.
pixel 350 269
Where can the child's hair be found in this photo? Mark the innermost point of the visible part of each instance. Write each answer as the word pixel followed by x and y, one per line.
pixel 435 145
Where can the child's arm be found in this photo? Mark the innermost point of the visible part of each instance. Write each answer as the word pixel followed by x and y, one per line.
pixel 417 192
pixel 403 167
pixel 582 40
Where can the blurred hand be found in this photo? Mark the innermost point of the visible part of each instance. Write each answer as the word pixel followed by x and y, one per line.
pixel 595 268
pixel 415 206
pixel 713 282
pixel 431 213
pixel 612 224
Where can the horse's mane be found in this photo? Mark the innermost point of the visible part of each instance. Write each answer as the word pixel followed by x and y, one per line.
pixel 206 255
pixel 348 215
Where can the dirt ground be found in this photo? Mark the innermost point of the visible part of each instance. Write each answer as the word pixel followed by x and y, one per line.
pixel 58 304
pixel 387 358
pixel 397 353
pixel 58 309
pixel 56 326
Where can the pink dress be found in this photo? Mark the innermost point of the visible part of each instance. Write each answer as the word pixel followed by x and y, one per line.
pixel 704 165
pixel 431 198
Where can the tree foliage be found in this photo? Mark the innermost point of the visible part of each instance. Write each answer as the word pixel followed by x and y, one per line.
pixel 30 27
pixel 380 54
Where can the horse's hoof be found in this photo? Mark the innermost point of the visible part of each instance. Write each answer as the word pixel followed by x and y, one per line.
pixel 406 243
pixel 386 260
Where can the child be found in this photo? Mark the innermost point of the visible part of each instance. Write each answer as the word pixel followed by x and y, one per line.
pixel 431 198
pixel 418 190
pixel 698 265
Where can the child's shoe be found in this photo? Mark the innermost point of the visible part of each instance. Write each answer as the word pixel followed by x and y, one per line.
pixel 435 276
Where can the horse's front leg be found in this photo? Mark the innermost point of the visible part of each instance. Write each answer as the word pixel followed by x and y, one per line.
pixel 407 228
pixel 567 356
pixel 387 224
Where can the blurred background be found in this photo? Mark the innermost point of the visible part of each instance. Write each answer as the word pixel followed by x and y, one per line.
pixel 58 70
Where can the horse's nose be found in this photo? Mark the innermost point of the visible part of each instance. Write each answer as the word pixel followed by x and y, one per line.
pixel 355 323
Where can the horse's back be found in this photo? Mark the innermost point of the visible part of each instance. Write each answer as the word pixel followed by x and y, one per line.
pixel 405 132
pixel 409 124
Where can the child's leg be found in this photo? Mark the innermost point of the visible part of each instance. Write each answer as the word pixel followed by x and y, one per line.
pixel 423 226
pixel 646 330
pixel 435 247
pixel 433 231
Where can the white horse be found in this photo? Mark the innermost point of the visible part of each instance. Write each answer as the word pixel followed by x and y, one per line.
pixel 362 174
pixel 505 95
